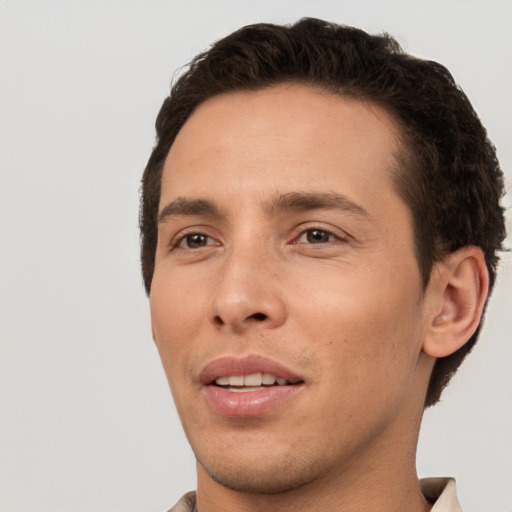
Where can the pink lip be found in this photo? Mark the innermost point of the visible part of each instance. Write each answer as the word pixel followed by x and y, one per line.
pixel 248 403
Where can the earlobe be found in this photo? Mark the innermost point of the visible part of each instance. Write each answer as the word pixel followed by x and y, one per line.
pixel 457 293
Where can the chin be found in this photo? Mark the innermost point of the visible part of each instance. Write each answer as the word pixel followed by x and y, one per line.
pixel 261 476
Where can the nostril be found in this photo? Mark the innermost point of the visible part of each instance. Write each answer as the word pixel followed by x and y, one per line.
pixel 218 320
pixel 259 316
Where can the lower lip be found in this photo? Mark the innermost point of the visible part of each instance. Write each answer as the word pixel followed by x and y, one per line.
pixel 248 403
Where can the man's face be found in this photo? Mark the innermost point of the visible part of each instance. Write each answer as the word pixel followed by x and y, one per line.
pixel 285 252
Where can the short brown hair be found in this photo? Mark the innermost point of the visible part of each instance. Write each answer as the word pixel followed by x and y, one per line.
pixel 448 172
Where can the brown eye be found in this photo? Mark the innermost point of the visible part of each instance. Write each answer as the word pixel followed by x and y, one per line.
pixel 194 241
pixel 316 236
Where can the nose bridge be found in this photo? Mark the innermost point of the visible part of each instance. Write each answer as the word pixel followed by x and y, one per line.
pixel 247 289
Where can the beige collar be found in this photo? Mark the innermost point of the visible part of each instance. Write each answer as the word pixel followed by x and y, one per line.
pixel 442 492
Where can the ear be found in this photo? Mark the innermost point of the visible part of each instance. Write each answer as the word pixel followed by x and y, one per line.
pixel 457 292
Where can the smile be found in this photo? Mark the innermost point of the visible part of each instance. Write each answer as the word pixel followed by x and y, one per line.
pixel 248 386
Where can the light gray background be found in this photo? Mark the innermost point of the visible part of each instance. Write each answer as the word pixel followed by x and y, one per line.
pixel 86 420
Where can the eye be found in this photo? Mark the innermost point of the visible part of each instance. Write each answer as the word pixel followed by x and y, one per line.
pixel 194 241
pixel 316 236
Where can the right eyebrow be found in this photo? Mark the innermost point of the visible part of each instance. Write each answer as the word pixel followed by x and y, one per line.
pixel 183 206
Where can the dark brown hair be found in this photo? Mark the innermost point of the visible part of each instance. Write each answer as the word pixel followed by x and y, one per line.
pixel 448 172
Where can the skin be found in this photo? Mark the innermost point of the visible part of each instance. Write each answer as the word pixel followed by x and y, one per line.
pixel 348 313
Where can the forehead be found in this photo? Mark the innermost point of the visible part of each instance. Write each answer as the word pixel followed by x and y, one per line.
pixel 291 135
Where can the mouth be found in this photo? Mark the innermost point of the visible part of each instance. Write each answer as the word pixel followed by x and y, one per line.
pixel 252 382
pixel 248 386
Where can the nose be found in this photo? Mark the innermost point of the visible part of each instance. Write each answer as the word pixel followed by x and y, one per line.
pixel 247 294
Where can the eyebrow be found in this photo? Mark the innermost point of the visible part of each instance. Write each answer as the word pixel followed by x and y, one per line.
pixel 184 206
pixel 291 201
pixel 300 201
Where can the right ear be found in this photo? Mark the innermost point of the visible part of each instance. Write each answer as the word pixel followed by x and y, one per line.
pixel 457 294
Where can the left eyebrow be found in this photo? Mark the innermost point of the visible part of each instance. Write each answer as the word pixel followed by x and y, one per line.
pixel 298 201
pixel 183 206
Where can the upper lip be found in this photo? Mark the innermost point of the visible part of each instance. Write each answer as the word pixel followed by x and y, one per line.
pixel 246 365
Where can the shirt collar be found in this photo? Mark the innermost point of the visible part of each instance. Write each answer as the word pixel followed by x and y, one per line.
pixel 442 492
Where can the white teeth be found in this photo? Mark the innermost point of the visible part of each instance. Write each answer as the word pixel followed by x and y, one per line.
pixel 252 380
pixel 236 380
pixel 268 379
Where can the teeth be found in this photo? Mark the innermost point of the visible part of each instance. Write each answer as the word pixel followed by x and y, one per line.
pixel 268 379
pixel 252 380
pixel 236 380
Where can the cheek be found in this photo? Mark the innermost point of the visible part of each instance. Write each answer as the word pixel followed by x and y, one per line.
pixel 177 302
pixel 177 313
pixel 365 329
pixel 367 362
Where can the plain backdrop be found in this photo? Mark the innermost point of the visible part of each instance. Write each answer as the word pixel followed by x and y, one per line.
pixel 86 419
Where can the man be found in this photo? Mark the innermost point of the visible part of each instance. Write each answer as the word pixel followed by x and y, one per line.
pixel 320 220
